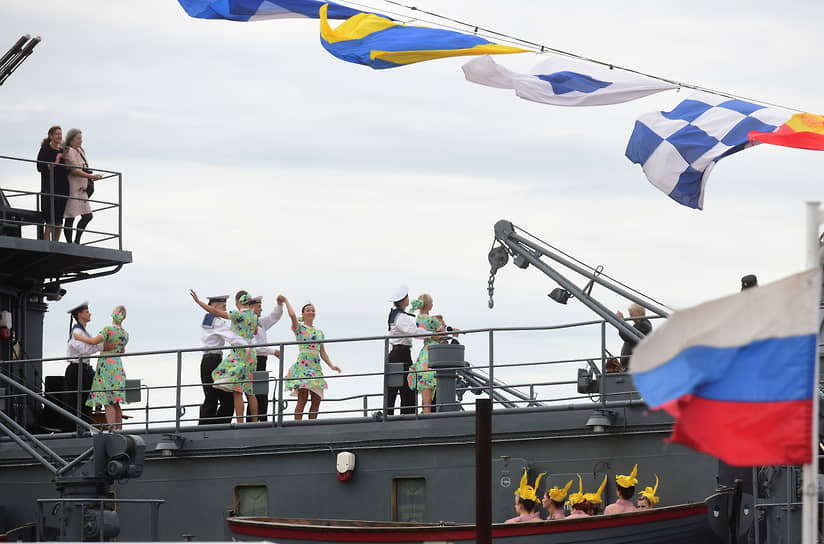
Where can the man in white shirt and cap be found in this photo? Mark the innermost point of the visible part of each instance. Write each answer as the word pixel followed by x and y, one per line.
pixel 264 324
pixel 401 323
pixel 218 406
pixel 77 354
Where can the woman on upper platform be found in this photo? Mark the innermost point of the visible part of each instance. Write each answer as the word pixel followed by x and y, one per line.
pixel 79 176
pixel 54 183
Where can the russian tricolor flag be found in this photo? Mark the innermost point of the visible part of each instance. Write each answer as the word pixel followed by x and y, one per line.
pixel 737 373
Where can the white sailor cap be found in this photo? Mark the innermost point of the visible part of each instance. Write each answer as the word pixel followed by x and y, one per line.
pixel 256 300
pixel 79 307
pixel 399 293
pixel 218 298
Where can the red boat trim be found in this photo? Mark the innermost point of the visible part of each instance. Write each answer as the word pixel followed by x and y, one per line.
pixel 464 532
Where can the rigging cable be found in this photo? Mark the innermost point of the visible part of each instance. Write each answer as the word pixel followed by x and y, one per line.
pixel 543 49
pixel 585 265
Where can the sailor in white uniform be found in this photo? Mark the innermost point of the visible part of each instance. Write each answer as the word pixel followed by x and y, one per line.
pixel 77 354
pixel 401 323
pixel 264 324
pixel 218 406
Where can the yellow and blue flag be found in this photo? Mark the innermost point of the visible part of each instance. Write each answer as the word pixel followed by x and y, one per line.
pixel 380 43
pixel 256 10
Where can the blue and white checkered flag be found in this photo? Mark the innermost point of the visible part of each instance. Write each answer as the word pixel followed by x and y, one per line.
pixel 677 149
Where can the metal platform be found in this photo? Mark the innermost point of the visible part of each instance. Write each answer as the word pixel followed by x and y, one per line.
pixel 25 262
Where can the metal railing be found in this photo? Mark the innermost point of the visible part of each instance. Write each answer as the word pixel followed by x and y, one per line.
pixel 27 200
pixel 545 384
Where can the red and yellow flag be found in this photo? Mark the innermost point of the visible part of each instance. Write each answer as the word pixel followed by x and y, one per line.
pixel 803 130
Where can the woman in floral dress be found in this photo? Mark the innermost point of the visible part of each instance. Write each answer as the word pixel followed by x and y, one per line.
pixel 234 373
pixel 109 383
pixel 420 378
pixel 305 377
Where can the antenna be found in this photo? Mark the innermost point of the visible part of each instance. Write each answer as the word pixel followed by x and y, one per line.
pixel 15 56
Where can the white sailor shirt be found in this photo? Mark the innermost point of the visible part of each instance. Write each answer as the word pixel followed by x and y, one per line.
pixel 77 351
pixel 215 332
pixel 404 324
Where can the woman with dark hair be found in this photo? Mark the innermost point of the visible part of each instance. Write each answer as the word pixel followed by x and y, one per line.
pixel 77 353
pixel 234 373
pixel 79 176
pixel 553 501
pixel 54 183
pixel 305 377
pixel 578 502
pixel 109 384
pixel 526 501
pixel 626 489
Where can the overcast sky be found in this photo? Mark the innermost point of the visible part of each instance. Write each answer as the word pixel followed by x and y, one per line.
pixel 252 158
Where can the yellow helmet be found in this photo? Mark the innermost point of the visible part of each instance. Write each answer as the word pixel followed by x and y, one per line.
pixel 649 493
pixel 526 491
pixel 628 481
pixel 595 498
pixel 577 498
pixel 558 495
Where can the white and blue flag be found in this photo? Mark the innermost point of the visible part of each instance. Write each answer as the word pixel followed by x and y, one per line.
pixel 563 81
pixel 678 149
pixel 256 10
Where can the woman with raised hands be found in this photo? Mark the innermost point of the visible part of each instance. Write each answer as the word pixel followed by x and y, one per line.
pixel 234 373
pixel 305 376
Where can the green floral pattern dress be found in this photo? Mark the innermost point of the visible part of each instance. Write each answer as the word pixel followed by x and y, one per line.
pixel 234 373
pixel 307 373
pixel 420 377
pixel 109 383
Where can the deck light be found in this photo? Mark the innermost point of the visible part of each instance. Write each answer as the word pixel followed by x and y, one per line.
pixel 169 444
pixel 601 420
pixel 560 295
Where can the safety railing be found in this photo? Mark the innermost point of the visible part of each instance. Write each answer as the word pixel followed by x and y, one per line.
pixel 170 398
pixel 21 210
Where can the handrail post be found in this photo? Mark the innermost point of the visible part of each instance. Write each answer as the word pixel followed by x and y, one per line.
pixel 79 364
pixel 119 211
pixel 280 386
pixel 491 370
pixel 602 388
pixel 147 408
pixel 177 389
pixel 51 200
pixel 386 378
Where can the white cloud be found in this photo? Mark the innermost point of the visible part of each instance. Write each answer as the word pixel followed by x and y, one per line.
pixel 254 159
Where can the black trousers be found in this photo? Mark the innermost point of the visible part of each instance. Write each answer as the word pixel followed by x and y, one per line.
pixel 218 406
pixel 263 401
pixel 409 399
pixel 86 377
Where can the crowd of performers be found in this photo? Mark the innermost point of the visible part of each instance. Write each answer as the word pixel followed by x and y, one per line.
pixel 559 505
pixel 227 372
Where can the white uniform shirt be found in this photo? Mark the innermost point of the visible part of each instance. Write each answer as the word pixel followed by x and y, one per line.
pixel 264 324
pixel 77 351
pixel 216 335
pixel 404 324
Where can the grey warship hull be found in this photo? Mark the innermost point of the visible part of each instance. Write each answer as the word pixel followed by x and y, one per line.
pixel 406 469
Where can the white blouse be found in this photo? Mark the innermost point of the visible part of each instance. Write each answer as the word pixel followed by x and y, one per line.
pixel 77 351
